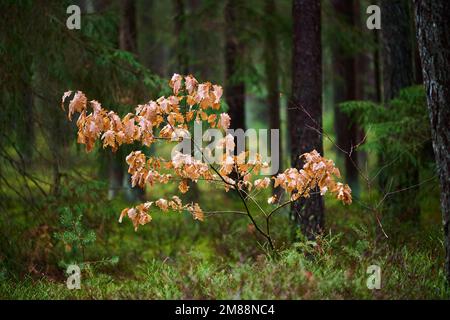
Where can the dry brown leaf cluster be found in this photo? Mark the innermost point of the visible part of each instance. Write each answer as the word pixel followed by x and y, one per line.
pixel 167 119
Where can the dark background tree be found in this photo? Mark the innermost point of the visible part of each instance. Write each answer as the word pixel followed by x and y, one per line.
pixel 118 176
pixel 305 110
pixel 271 62
pixel 397 47
pixel 398 73
pixel 234 49
pixel 345 89
pixel 181 49
pixel 127 33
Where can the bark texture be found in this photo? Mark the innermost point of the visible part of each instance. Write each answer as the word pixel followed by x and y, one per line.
pixel 305 111
pixel 433 34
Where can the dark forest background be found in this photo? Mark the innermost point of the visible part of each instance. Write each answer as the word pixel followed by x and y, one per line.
pixel 374 101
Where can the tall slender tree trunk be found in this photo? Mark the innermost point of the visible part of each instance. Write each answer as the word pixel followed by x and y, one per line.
pixel 271 66
pixel 115 167
pixel 378 94
pixel 396 47
pixel 305 111
pixel 376 74
pixel 128 42
pixel 433 34
pixel 345 86
pixel 26 134
pixel 234 85
pixel 127 32
pixel 362 81
pixel 398 73
pixel 183 67
pixel 361 58
pixel 151 53
pixel 181 48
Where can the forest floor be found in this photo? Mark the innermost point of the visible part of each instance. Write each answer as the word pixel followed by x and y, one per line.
pixel 175 257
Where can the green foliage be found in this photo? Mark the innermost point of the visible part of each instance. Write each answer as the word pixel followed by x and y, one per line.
pixel 171 259
pixel 74 235
pixel 42 59
pixel 399 133
pixel 82 208
pixel 325 269
pixel 399 130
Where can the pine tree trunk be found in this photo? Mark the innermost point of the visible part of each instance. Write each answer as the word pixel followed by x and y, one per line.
pixel 180 33
pixel 305 111
pixel 396 47
pixel 362 82
pixel 398 73
pixel 433 34
pixel 127 34
pixel 114 161
pixel 127 41
pixel 345 86
pixel 271 65
pixel 378 95
pixel 151 53
pixel 234 86
pixel 182 61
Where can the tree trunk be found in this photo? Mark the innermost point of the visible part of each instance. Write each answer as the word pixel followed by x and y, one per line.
pixel 305 111
pixel 182 62
pixel 26 134
pixel 181 49
pixel 151 53
pixel 234 86
pixel 396 47
pixel 128 42
pixel 127 33
pixel 418 77
pixel 362 82
pixel 101 5
pixel 361 58
pixel 271 66
pixel 377 68
pixel 433 34
pixel 376 75
pixel 398 73
pixel 345 87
